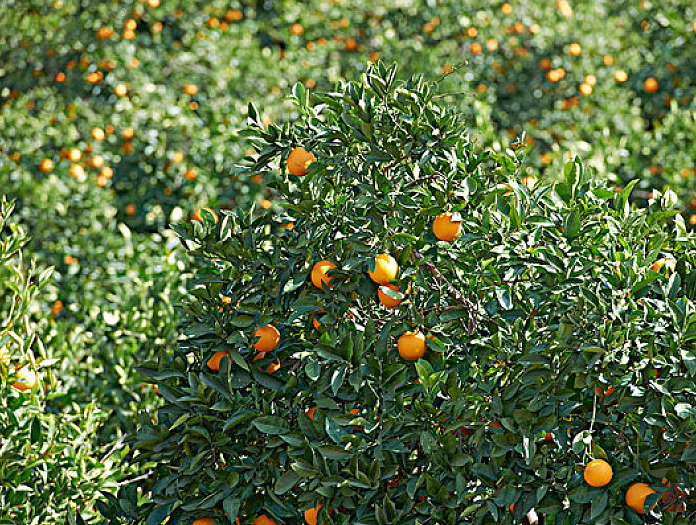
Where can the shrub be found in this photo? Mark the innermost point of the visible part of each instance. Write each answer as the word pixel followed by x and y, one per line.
pixel 559 327
pixel 49 464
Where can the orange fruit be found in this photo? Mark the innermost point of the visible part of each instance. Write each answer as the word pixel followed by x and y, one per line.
pixel 310 412
pixel 263 520
pixel 385 270
pixel 46 165
pixel 190 175
pixel 620 76
pixel 585 89
pixel 76 171
pixel 203 521
pixel 97 161
pixel 315 321
pixel 128 133
pixel 318 275
pixel 310 515
pixel 548 436
pixel 214 362
pixel 636 495
pixel 671 497
pixel 191 89
pixel 598 473
pixel 26 379
pixel 574 49
pixel 591 80
pixel 121 90
pixel 273 367
pixel 412 345
pixel 299 161
pixel 296 29
pixel 74 154
pixel 446 228
pixel 387 301
pixel 669 262
pixel 98 134
pixel 650 85
pixel 268 338
pixel 197 215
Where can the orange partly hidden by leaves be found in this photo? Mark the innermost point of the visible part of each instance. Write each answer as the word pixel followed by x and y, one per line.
pixel 310 515
pixel 385 270
pixel 319 277
pixel 669 262
pixel 214 362
pixel 299 161
pixel 310 412
pixel 412 345
pixel 203 521
pixel 446 227
pixel 650 85
pixel 263 520
pixel 197 215
pixel 268 338
pixel 598 473
pixel 26 379
pixel 672 496
pixel 386 300
pixel 636 495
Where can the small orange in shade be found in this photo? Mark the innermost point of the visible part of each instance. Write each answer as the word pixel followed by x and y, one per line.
pixel 598 473
pixel 190 175
pixel 574 49
pixel 121 90
pixel 299 161
pixel 386 269
pixel 476 48
pixel 672 496
pixel 446 227
pixel 412 345
pixel 191 89
pixel 268 338
pixel 128 133
pixel 203 521
pixel 636 496
pixel 386 300
pixel 263 520
pixel 266 204
pixel 310 412
pixel 548 436
pixel 56 308
pixel 273 367
pixel 214 362
pixel 296 29
pixel 46 165
pixel 620 76
pixel 650 85
pixel 310 515
pixel 506 8
pixel 319 276
pixel 315 321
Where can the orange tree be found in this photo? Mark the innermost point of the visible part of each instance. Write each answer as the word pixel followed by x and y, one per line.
pixel 555 326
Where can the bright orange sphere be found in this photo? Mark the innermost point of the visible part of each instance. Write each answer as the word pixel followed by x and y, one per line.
pixel 386 269
pixel 269 337
pixel 319 270
pixel 598 473
pixel 299 161
pixel 412 345
pixel 214 362
pixel 636 496
pixel 446 228
pixel 263 520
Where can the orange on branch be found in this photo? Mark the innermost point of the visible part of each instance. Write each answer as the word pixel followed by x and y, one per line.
pixel 412 345
pixel 446 227
pixel 386 300
pixel 268 338
pixel 299 161
pixel 636 496
pixel 214 362
pixel 386 269
pixel 598 473
pixel 319 273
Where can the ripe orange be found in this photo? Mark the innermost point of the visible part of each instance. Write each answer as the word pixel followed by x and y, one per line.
pixel 128 133
pixel 548 436
pixel 668 262
pixel 574 49
pixel 672 496
pixel 620 76
pixel 387 301
pixel 636 495
pixel 46 165
pixel 585 89
pixel 214 362
pixel 26 379
pixel 412 345
pixel 76 171
pixel 191 89
pixel 598 473
pixel 318 275
pixel 310 412
pixel 310 515
pixel 385 270
pixel 203 521
pixel 130 209
pixel 190 175
pixel 273 367
pixel 446 228
pixel 299 161
pixel 97 161
pixel 315 321
pixel 650 85
pixel 197 215
pixel 269 337
pixel 121 90
pixel 98 134
pixel 74 154
pixel 263 520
